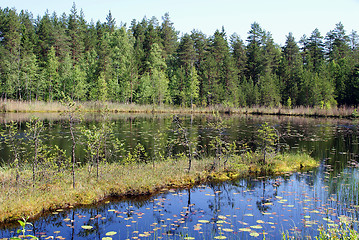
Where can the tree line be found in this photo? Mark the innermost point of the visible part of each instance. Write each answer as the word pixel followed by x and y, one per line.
pixel 148 62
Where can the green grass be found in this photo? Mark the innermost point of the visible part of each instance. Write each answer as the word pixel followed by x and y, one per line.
pixel 96 106
pixel 54 190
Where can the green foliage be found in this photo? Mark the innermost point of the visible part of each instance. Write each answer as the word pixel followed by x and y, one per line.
pixel 23 223
pixel 218 142
pixel 268 139
pixel 16 146
pixel 148 63
pixel 33 131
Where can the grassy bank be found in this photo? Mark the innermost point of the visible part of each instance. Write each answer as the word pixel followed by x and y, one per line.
pixel 39 106
pixel 54 190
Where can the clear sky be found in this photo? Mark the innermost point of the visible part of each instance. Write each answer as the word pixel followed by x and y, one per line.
pixel 276 16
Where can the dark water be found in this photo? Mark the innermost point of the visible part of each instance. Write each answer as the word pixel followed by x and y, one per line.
pixel 297 204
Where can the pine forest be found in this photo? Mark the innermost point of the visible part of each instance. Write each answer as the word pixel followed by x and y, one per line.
pixel 51 57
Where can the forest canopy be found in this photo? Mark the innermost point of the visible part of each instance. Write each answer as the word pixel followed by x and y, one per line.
pixel 149 62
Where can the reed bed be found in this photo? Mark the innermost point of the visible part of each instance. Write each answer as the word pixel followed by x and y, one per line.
pixel 97 106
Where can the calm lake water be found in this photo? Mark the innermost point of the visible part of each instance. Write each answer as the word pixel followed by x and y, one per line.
pixel 296 203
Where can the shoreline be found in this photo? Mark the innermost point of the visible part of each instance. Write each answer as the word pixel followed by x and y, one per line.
pixel 10 106
pixel 116 182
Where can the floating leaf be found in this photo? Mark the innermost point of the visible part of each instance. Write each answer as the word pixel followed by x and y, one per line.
pixel 220 237
pixel 254 234
pixel 245 229
pixel 189 238
pixel 260 221
pixel 221 217
pixel 256 226
pixel 328 220
pixel 227 230
pixel 111 233
pixel 87 227
pixel 107 238
pixel 203 221
pixel 248 215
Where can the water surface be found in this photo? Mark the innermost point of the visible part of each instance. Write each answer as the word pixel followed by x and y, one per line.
pixel 296 203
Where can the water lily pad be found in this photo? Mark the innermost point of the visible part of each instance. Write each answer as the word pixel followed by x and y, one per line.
pixel 248 215
pixel 203 221
pixel 256 226
pixel 244 229
pixel 87 227
pixel 189 238
pixel 107 238
pixel 220 237
pixel 254 234
pixel 227 230
pixel 111 233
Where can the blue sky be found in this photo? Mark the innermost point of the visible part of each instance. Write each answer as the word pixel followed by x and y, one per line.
pixel 276 16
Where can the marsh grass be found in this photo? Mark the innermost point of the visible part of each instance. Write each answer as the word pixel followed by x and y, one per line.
pixel 98 106
pixel 54 190
pixel 341 231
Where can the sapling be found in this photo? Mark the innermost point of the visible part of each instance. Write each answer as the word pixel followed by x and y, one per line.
pixel 218 142
pixel 15 144
pixel 72 109
pixel 33 131
pixel 186 142
pixel 268 138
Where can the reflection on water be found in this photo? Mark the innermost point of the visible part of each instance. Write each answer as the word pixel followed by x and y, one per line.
pixel 247 208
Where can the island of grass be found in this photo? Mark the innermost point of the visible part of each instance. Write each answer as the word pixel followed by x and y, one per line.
pixel 54 189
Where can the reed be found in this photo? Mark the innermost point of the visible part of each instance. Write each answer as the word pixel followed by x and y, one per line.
pixel 98 106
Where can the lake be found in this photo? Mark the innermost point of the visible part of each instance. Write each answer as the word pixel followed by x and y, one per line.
pixel 297 204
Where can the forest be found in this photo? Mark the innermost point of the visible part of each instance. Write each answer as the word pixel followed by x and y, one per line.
pixel 51 57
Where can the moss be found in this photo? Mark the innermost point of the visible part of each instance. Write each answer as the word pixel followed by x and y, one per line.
pixel 115 181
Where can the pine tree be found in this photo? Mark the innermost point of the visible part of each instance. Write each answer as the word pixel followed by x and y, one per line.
pixel 255 55
pixel 10 53
pixel 238 52
pixel 51 74
pixel 110 22
pixel 290 70
pixel 76 34
pixel 44 31
pixel 169 37
pixel 316 51
pixel 61 41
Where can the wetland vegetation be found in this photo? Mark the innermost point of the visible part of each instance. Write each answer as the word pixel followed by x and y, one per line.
pixel 82 152
pixel 227 191
pixel 35 171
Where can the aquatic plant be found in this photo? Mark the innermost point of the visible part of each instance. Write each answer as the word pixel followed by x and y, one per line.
pixel 23 223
